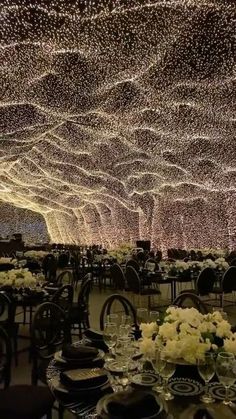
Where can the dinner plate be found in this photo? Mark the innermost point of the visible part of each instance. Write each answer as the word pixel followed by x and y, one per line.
pixel 145 379
pixel 115 367
pixel 59 358
pixel 185 387
pixel 217 391
pixel 57 385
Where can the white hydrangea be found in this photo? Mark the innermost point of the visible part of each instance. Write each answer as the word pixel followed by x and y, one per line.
pixel 148 329
pixel 230 344
pixel 223 329
pixel 147 346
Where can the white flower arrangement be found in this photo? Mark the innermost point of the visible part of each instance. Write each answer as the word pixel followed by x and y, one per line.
pixel 221 264
pixel 35 254
pixel 122 253
pixel 217 253
pixel 8 260
pixel 208 263
pixel 18 278
pixel 186 335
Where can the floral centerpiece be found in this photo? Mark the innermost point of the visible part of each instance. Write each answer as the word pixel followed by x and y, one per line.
pixel 122 253
pixel 35 254
pixel 18 278
pixel 186 335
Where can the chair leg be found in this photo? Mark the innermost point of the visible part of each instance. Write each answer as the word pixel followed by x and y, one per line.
pixel 60 411
pixel 49 415
pixel 15 350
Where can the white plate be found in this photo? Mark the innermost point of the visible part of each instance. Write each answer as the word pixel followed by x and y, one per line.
pixel 144 379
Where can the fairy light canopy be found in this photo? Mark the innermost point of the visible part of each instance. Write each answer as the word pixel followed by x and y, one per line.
pixel 118 119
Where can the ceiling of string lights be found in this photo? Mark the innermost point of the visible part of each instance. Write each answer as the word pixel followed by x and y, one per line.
pixel 117 119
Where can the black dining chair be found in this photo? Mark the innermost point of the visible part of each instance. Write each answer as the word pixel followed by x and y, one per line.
pixel 7 320
pixel 79 312
pixel 33 266
pixel 204 284
pixel 134 264
pixel 49 331
pixel 64 278
pixel 227 285
pixel 188 299
pixel 6 267
pixel 124 305
pixel 135 285
pixel 20 401
pixel 63 297
pixel 49 266
pixel 118 277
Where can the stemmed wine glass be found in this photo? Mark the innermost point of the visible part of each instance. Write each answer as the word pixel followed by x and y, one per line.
pixel 206 370
pixel 110 338
pixel 166 370
pixel 226 372
pixel 157 365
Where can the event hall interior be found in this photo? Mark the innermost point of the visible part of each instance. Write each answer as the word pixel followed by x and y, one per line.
pixel 117 209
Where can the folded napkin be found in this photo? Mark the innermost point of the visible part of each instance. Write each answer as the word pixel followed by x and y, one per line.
pixel 82 352
pixel 96 339
pixel 128 405
pixel 83 378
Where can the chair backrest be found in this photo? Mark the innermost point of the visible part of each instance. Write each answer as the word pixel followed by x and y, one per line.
pixel 124 302
pixel 134 264
pixel 63 260
pixel 194 300
pixel 117 276
pixel 133 280
pixel 7 309
pixel 148 264
pixel 49 266
pixel 49 330
pixel 205 281
pixel 83 297
pixel 233 262
pixel 5 358
pixel 32 266
pixel 64 297
pixel 65 278
pixel 6 267
pixel 228 282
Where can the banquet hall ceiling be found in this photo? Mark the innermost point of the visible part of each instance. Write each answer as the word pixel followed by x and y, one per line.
pixel 117 118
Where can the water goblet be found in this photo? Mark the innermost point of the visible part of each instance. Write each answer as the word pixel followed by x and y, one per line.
pixel 206 370
pixel 157 365
pixel 167 369
pixel 226 372
pixel 124 330
pixel 142 315
pixel 110 338
pixel 112 318
pixel 154 316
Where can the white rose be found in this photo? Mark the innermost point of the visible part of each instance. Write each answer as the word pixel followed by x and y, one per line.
pixel 168 330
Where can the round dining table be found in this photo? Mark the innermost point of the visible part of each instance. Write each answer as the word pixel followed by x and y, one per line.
pixel 184 405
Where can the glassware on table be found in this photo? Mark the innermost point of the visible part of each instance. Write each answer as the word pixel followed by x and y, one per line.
pixel 124 330
pixel 142 315
pixel 221 311
pixel 167 369
pixel 206 370
pixel 123 358
pixel 154 316
pixel 126 319
pixel 110 339
pixel 113 318
pixel 226 372
pixel 157 365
